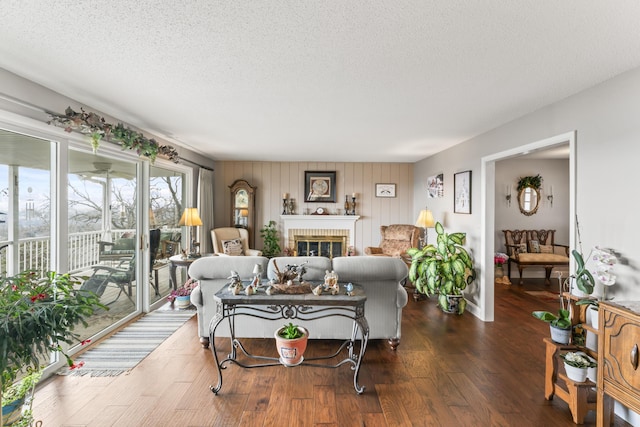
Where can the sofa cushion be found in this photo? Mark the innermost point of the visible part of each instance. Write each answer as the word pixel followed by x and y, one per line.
pixel 534 246
pixel 546 249
pixel 522 248
pixel 232 247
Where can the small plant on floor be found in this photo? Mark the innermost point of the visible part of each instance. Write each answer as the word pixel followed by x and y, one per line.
pixel 183 291
pixel 290 332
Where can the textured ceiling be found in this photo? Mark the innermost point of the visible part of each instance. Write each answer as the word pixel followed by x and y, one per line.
pixel 326 80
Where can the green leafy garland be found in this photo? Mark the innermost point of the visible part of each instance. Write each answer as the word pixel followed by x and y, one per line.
pixel 90 123
pixel 530 181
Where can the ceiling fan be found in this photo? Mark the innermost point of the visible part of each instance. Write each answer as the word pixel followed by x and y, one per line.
pixel 103 169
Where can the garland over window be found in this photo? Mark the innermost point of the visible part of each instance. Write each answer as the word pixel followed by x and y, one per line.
pixel 96 126
pixel 530 181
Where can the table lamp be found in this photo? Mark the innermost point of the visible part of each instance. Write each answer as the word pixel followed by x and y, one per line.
pixel 425 220
pixel 190 218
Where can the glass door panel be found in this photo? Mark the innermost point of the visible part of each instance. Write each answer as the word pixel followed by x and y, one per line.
pixel 103 243
pixel 166 197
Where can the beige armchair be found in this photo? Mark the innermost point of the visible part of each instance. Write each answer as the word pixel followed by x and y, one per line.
pixel 232 241
pixel 396 239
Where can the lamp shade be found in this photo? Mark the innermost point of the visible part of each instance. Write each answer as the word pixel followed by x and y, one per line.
pixel 425 219
pixel 244 213
pixel 190 218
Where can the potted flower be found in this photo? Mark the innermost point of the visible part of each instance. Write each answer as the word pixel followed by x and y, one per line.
pixel 291 342
pixel 559 326
pixel 37 313
pixel 604 260
pixel 182 295
pixel 576 365
pixel 16 399
pixel 445 270
pixel 499 259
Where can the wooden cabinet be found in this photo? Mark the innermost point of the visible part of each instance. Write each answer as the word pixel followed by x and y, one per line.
pixel 618 355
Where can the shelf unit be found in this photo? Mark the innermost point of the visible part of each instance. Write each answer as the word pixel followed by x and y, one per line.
pixel 581 397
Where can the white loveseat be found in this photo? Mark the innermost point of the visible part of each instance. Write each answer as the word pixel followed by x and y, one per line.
pixel 381 278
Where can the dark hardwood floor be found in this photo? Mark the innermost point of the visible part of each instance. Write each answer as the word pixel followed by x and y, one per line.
pixel 448 371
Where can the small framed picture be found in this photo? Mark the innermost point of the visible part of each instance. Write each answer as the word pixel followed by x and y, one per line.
pixel 385 190
pixel 320 186
pixel 462 192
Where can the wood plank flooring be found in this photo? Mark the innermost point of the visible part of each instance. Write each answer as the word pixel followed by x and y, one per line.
pixel 448 371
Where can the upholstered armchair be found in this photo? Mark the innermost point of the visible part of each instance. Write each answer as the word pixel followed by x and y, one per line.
pixel 396 239
pixel 232 241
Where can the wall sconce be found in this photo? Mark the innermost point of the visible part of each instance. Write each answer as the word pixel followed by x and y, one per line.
pixel 425 220
pixel 550 196
pixel 191 219
pixel 508 196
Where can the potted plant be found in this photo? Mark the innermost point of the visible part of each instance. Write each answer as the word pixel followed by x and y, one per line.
pixel 604 260
pixel 182 295
pixel 269 234
pixel 576 365
pixel 291 342
pixel 445 270
pixel 560 325
pixel 37 313
pixel 15 396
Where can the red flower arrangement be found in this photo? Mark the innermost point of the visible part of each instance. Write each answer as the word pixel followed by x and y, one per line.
pixel 500 258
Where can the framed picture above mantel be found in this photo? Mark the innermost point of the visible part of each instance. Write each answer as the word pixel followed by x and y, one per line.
pixel 320 186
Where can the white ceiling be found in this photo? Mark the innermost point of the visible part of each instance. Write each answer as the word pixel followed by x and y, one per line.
pixel 325 80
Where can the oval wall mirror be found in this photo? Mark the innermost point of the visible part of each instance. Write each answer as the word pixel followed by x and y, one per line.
pixel 528 200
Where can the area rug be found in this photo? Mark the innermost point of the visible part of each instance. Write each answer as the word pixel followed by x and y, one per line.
pixel 544 295
pixel 126 348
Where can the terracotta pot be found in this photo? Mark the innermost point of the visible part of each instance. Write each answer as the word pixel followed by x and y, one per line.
pixel 291 351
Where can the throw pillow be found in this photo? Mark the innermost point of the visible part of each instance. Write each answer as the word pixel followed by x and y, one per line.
pixel 522 248
pixel 232 247
pixel 546 249
pixel 534 246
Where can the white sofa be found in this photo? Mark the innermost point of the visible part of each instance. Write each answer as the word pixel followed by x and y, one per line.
pixel 381 278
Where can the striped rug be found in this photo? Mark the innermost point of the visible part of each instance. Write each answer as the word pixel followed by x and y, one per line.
pixel 126 348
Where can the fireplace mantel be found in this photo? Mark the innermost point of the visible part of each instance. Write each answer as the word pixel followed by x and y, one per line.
pixel 345 222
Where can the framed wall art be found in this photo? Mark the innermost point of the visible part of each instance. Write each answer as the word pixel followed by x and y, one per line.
pixel 320 186
pixel 462 192
pixel 435 186
pixel 385 190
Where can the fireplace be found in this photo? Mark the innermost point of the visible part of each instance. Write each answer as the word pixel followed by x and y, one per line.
pixel 327 246
pixel 319 235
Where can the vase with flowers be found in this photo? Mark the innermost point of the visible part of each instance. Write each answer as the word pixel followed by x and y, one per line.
pixel 499 259
pixel 576 365
pixel 182 295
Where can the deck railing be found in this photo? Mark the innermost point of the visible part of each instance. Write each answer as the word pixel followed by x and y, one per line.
pixel 34 252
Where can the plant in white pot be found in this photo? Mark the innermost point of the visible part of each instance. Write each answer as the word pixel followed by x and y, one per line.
pixel 444 269
pixel 604 260
pixel 560 325
pixel 576 365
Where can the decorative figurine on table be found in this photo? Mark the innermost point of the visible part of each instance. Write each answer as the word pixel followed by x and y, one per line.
pixel 235 284
pixel 331 282
pixel 349 288
pixel 317 290
pixel 250 290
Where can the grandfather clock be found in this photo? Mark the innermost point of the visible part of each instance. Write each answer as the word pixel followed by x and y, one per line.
pixel 243 207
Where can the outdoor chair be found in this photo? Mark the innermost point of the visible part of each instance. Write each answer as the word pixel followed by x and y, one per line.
pixel 121 277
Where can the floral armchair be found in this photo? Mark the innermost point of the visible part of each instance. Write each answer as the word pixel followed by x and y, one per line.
pixel 396 239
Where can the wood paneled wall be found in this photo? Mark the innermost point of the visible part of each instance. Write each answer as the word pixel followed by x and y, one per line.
pixel 272 179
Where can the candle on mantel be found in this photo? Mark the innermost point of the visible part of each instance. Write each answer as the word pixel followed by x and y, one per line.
pixel 353 195
pixel 285 195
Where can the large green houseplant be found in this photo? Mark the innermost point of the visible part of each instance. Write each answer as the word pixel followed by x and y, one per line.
pixel 37 314
pixel 444 269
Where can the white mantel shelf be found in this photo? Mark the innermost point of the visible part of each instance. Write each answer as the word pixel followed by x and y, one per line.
pixel 347 222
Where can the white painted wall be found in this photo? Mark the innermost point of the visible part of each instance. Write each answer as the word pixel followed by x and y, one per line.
pixel 605 119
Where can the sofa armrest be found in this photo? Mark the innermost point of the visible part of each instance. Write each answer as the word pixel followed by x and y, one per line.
pixel 372 250
pixel 562 248
pixel 196 297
